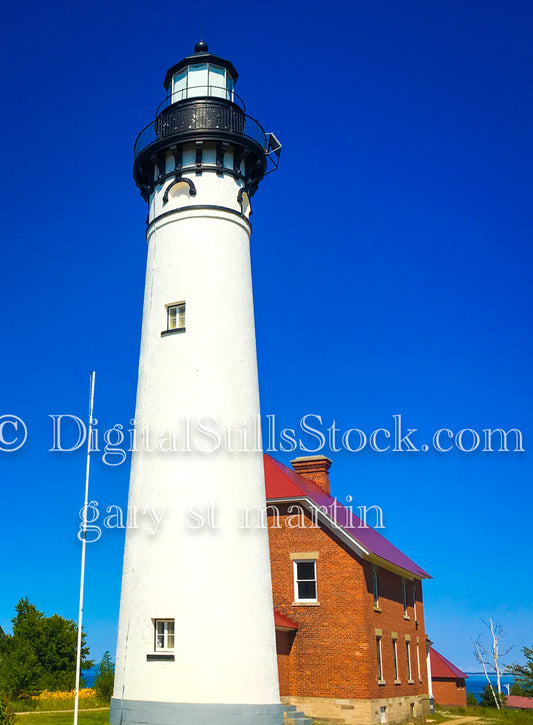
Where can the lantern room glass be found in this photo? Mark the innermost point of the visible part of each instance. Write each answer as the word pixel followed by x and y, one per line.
pixel 200 80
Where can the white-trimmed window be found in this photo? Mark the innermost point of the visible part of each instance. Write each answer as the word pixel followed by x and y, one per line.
pixel 395 658
pixel 375 588
pixel 414 602
pixel 404 597
pixel 380 658
pixel 408 654
pixel 305 589
pixel 418 661
pixel 163 635
pixel 176 316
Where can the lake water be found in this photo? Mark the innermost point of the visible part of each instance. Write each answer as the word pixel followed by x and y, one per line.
pixel 88 676
pixel 476 683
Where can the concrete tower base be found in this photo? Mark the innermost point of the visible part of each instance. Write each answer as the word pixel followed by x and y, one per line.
pixel 137 712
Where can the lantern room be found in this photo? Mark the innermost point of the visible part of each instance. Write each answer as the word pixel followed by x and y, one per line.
pixel 201 108
pixel 199 75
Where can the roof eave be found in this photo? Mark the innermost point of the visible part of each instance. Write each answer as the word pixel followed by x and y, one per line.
pixel 355 545
pixel 405 573
pixel 351 541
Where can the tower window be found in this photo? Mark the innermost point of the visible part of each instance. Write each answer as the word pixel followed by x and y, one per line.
pixel 175 318
pixel 305 581
pixel 163 634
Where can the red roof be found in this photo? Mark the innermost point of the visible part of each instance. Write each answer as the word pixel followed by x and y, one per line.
pixel 281 620
pixel 284 483
pixel 441 667
pixel 525 703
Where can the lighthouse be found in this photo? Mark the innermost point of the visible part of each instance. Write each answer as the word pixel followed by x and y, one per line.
pixel 196 639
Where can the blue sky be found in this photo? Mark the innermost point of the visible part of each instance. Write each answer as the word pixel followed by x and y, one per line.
pixel 391 260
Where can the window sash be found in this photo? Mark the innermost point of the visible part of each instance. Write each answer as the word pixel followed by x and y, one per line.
pixel 179 86
pixel 305 582
pixel 408 653
pixel 380 659
pixel 197 83
pixel 395 658
pixel 375 587
pixel 176 316
pixel 217 81
pixel 164 634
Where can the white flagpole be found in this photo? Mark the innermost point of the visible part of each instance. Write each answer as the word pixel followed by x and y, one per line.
pixel 83 545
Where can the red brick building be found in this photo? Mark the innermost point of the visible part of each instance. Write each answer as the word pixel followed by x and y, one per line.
pixel 349 615
pixel 448 681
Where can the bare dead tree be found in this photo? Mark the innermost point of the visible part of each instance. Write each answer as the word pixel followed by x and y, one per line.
pixel 490 657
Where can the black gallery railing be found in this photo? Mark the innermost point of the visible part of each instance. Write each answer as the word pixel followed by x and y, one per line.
pixel 197 115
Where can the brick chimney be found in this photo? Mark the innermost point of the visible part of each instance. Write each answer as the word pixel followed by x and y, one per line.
pixel 315 468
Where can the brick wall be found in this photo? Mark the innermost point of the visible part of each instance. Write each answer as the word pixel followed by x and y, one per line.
pixel 449 691
pixel 284 642
pixel 390 622
pixel 333 654
pixel 329 655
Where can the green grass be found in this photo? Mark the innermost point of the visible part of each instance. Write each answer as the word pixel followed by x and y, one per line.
pixel 29 705
pixel 438 717
pixel 487 715
pixel 491 715
pixel 100 717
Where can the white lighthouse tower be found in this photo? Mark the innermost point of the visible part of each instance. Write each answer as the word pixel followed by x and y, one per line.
pixel 196 641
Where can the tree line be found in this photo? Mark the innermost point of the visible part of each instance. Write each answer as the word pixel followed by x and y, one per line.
pixel 41 655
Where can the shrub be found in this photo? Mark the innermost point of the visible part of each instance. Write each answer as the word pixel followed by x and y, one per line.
pixel 488 695
pixel 7 715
